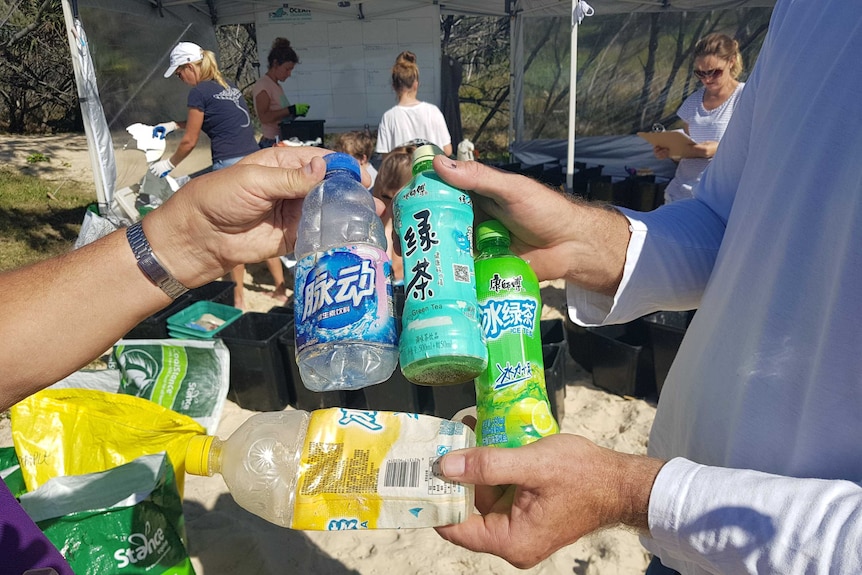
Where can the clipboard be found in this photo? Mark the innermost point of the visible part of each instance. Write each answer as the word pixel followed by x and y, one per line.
pixel 676 141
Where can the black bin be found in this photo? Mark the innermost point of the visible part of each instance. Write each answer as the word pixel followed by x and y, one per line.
pixel 447 400
pixel 578 342
pixel 300 396
pixel 303 130
pixel 622 359
pixel 666 329
pixel 156 326
pixel 217 291
pixel 258 380
pixel 555 381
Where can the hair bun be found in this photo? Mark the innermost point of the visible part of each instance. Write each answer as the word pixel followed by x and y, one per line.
pixel 406 56
pixel 280 43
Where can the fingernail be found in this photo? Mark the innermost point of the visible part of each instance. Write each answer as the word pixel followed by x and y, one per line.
pixel 308 169
pixel 452 465
pixel 449 164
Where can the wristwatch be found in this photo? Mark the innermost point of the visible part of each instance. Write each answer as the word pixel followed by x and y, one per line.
pixel 150 265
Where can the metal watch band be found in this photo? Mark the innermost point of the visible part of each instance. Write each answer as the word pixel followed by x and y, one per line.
pixel 150 265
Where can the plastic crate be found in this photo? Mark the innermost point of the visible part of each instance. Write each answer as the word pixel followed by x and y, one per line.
pixel 555 380
pixel 666 329
pixel 447 400
pixel 258 380
pixel 622 359
pixel 303 130
pixel 180 325
pixel 217 291
pixel 300 396
pixel 578 342
pixel 396 394
pixel 156 326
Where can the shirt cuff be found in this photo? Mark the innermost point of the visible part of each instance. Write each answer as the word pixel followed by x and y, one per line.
pixel 588 308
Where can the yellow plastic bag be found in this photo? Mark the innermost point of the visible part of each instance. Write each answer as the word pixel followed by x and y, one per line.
pixel 60 432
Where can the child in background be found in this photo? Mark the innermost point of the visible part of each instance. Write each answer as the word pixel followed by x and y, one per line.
pixel 395 172
pixel 360 145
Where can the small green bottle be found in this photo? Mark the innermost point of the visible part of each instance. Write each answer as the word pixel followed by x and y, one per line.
pixel 512 404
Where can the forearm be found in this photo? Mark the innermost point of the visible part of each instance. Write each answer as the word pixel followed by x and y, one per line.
pixel 598 248
pixel 740 521
pixel 60 314
pixel 183 150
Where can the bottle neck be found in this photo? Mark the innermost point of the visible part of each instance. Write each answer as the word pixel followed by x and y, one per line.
pixel 215 461
pixel 494 246
pixel 423 166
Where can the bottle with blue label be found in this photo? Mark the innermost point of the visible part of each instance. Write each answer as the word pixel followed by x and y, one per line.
pixel 512 407
pixel 346 333
pixel 441 339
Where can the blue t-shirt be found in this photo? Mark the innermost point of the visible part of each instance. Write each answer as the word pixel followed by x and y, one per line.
pixel 226 119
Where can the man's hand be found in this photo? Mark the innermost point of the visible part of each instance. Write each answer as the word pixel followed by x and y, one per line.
pixel 536 499
pixel 161 168
pixel 242 214
pixel 561 237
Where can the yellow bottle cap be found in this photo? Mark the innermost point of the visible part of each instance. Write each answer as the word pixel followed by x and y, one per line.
pixel 198 455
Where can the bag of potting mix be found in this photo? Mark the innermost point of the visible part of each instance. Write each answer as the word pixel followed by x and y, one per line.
pixel 128 519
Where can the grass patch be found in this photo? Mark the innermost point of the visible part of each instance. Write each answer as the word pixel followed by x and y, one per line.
pixel 38 218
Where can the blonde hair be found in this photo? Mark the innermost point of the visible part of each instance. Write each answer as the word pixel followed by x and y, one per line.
pixel 395 171
pixel 722 47
pixel 405 72
pixel 357 143
pixel 208 68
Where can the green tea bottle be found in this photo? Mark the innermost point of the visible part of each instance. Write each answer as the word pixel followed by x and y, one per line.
pixel 511 399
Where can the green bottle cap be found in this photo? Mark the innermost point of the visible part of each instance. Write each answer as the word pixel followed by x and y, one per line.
pixel 491 230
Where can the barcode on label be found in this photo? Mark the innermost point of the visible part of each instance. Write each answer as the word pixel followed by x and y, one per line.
pixel 461 272
pixel 401 473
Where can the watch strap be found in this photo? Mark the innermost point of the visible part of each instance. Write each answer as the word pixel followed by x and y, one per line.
pixel 150 265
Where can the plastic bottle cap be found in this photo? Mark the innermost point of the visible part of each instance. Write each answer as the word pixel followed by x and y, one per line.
pixel 341 161
pixel 425 153
pixel 491 229
pixel 198 454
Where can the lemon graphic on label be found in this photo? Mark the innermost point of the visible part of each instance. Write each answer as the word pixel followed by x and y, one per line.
pixel 524 409
pixel 543 421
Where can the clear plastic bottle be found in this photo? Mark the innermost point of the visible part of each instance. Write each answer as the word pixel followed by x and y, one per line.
pixel 441 339
pixel 337 469
pixel 346 333
pixel 512 407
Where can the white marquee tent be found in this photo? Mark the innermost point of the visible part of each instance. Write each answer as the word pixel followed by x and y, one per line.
pixel 219 12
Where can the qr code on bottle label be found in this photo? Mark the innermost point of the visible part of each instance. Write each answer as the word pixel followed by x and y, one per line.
pixel 461 273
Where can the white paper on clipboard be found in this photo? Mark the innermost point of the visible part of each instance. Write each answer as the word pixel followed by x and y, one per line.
pixel 678 142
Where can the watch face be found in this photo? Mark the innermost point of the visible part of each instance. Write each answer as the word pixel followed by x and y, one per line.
pixel 148 263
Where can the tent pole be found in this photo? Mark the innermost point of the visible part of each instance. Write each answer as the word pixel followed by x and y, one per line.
pixel 573 81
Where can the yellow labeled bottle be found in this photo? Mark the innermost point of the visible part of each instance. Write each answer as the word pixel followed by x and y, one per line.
pixel 339 469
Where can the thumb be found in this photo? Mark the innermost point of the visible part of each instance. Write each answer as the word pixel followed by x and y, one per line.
pixel 291 183
pixel 484 466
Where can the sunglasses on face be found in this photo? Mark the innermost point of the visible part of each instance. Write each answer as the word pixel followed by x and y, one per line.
pixel 707 74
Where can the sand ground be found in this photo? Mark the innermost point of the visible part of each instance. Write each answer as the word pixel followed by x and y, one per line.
pixel 225 539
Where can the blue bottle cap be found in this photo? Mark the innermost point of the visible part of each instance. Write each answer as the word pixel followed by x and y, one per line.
pixel 341 161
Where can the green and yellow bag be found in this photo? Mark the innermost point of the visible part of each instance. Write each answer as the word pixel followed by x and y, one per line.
pixel 60 432
pixel 128 519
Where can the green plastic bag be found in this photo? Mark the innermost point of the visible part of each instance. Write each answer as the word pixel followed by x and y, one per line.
pixel 128 519
pixel 10 471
